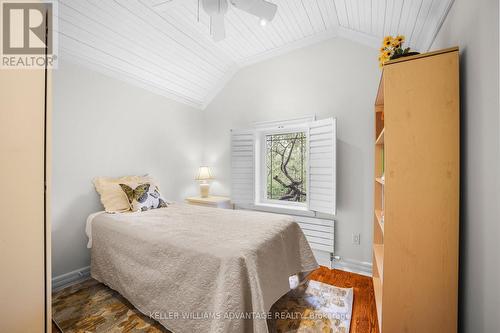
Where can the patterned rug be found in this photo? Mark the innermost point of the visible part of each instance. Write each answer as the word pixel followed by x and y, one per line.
pixel 313 307
pixel 90 306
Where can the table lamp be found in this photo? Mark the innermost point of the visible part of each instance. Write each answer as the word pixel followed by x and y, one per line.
pixel 204 176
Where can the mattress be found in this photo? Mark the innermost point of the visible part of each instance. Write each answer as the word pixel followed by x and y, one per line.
pixel 199 269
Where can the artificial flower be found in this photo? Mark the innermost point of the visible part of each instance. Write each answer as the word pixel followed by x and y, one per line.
pixel 392 47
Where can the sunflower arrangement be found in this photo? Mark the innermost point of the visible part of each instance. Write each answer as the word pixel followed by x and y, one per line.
pixel 392 48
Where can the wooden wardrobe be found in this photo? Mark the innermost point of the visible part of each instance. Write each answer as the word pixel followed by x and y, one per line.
pixel 416 218
pixel 25 288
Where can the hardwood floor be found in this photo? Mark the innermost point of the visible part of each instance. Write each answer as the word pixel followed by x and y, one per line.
pixel 364 313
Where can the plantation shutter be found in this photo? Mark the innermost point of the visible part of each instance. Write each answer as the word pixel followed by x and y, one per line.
pixel 322 162
pixel 242 166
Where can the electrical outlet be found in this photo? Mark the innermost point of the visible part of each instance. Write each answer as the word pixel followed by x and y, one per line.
pixel 356 238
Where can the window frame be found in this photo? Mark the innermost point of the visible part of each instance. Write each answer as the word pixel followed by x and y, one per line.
pixel 246 186
pixel 261 167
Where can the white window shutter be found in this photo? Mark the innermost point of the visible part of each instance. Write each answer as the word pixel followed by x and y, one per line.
pixel 242 167
pixel 322 166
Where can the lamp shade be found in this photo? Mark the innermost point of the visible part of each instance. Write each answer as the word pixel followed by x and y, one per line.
pixel 204 173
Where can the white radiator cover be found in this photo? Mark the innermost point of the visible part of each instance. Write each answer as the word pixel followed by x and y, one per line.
pixel 319 232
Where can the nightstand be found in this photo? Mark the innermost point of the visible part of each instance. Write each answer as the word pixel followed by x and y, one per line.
pixel 211 201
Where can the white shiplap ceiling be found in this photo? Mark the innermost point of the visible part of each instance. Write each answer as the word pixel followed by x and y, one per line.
pixel 165 45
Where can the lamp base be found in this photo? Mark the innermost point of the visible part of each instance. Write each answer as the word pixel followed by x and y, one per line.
pixel 204 190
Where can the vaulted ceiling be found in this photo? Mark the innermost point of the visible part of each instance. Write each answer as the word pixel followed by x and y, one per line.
pixel 165 45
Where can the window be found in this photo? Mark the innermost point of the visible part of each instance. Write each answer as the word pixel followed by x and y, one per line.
pixel 286 167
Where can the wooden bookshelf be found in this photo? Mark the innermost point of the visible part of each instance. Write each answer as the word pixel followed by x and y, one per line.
pixel 378 255
pixel 416 184
pixel 380 139
pixel 378 216
pixel 377 288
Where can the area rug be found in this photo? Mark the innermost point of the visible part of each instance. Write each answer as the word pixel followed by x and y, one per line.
pixel 90 306
pixel 313 307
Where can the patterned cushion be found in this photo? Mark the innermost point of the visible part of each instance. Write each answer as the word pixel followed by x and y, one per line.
pixel 144 197
pixel 111 194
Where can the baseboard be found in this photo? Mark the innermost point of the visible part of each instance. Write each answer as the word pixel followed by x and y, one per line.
pixel 70 278
pixel 353 266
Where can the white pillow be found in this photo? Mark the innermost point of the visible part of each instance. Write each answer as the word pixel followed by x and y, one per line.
pixel 112 197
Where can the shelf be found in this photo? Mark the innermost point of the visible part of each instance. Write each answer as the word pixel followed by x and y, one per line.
pixel 380 180
pixel 377 288
pixel 418 56
pixel 378 215
pixel 378 253
pixel 380 139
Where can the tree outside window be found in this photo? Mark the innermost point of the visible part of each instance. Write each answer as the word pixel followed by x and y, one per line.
pixel 286 167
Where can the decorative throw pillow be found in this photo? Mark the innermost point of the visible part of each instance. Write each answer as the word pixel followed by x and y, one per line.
pixel 144 197
pixel 111 194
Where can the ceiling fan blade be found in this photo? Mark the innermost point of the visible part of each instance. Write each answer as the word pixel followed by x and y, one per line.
pixel 260 8
pixel 217 26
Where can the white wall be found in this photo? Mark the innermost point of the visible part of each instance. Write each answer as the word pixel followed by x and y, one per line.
pixel 104 127
pixel 473 25
pixel 335 78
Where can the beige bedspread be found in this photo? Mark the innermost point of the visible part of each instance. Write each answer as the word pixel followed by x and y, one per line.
pixel 197 269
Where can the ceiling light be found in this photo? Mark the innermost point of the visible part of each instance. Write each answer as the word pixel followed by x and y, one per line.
pixel 263 22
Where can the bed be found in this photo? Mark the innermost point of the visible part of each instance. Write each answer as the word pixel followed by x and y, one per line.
pixel 199 269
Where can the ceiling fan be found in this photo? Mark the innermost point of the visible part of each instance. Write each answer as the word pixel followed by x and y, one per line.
pixel 216 9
